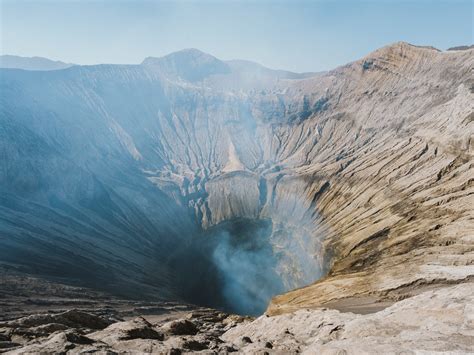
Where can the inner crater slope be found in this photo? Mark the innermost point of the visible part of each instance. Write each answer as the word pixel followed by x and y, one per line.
pixel 343 188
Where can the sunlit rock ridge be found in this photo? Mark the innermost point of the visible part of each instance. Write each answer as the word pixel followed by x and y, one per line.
pixel 224 183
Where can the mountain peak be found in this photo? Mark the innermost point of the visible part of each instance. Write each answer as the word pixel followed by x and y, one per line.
pixel 395 55
pixel 191 52
pixel 190 64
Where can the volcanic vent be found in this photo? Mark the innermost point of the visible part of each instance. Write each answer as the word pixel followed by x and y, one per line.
pixel 253 245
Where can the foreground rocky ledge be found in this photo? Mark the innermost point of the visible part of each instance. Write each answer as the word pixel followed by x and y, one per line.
pixel 436 320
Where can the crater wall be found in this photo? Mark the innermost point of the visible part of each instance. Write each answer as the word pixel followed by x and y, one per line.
pixel 112 174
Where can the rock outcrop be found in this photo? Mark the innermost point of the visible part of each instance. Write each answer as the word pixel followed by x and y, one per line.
pixel 434 321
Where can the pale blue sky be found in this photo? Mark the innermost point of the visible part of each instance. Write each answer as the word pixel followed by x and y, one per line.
pixel 294 35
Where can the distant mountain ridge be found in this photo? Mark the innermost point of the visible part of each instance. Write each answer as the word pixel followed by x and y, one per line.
pixel 194 66
pixel 188 64
pixel 461 48
pixel 31 63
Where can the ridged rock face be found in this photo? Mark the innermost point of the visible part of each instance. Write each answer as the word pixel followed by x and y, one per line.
pixel 129 178
pixel 397 152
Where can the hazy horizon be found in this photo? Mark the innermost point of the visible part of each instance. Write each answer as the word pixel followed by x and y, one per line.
pixel 300 36
pixel 225 60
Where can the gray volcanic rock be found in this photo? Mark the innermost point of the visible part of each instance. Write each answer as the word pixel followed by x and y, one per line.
pixel 181 327
pixel 138 328
pixel 72 318
pixel 434 321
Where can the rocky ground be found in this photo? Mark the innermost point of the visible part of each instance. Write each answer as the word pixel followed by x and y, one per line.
pixel 440 320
